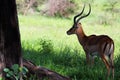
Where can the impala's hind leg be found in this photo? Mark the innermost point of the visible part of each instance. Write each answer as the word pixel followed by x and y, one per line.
pixel 106 64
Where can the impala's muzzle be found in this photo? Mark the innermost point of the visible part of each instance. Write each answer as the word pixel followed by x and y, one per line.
pixel 68 32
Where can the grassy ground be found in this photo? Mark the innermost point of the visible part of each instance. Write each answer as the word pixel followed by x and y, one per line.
pixel 45 42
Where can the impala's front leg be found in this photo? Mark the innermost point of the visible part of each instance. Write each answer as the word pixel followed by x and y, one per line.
pixel 88 58
pixel 92 60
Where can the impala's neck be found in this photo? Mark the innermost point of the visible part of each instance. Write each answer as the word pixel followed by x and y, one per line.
pixel 81 35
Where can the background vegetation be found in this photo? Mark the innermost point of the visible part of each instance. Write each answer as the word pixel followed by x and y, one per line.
pixel 45 42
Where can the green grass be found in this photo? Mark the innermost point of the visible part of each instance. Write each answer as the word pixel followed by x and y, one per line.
pixel 45 42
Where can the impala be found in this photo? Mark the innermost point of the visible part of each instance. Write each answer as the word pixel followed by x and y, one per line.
pixel 101 45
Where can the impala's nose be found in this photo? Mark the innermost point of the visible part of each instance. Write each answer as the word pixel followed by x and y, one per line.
pixel 68 33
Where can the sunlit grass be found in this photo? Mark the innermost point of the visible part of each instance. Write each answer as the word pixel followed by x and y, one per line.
pixel 35 20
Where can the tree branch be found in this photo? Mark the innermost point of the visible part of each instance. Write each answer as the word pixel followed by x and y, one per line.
pixel 42 72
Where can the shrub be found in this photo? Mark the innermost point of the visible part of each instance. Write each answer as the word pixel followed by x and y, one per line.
pixel 47 46
pixel 15 71
pixel 59 7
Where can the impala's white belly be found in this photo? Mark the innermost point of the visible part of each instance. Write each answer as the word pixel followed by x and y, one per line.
pixel 94 54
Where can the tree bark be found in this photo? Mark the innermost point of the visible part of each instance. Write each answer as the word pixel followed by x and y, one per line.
pixel 10 45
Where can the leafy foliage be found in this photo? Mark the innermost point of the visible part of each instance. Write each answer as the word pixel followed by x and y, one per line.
pixel 64 8
pixel 15 72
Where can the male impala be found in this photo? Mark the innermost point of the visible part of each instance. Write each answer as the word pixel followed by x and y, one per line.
pixel 101 45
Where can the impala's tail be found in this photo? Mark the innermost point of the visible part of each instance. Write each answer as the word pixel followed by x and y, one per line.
pixel 111 52
pixel 111 58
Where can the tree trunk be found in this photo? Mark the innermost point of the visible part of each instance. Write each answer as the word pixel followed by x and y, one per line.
pixel 10 45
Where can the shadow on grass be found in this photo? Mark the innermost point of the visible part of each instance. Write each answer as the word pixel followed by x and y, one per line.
pixel 117 67
pixel 65 61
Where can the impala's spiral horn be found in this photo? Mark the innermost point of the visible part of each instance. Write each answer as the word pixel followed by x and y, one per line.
pixel 79 14
pixel 84 15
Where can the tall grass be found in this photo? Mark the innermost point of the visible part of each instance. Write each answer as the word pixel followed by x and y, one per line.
pixel 44 42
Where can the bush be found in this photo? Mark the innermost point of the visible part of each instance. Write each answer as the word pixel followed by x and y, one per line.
pixel 59 8
pixel 48 7
pixel 47 46
pixel 44 46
